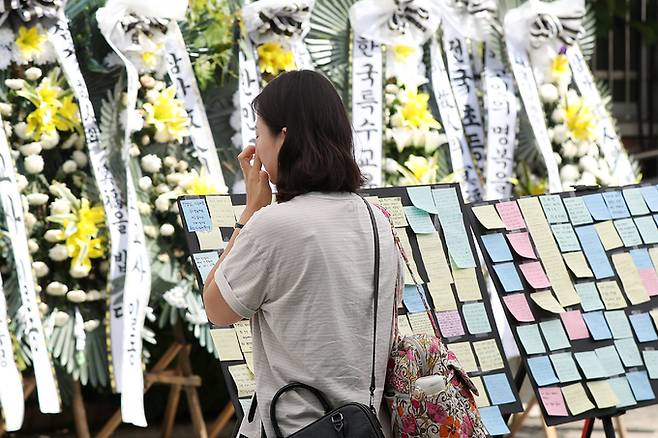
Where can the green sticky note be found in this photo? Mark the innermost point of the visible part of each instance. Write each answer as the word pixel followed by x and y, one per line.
pixel 554 333
pixel 623 391
pixel 566 237
pixel 553 208
pixel 635 201
pixel 618 323
pixel 565 367
pixel 628 232
pixel 628 352
pixel 610 360
pixel 578 211
pixel 589 296
pixel 531 339
pixel 651 362
pixel 590 364
pixel 647 228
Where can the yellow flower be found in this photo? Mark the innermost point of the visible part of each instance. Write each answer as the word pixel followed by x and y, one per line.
pixel 55 110
pixel 69 116
pixel 41 121
pixel 30 41
pixel 402 52
pixel 167 114
pixel 423 169
pixel 48 94
pixel 149 58
pixel 273 58
pixel 203 185
pixel 579 119
pixel 560 66
pixel 415 110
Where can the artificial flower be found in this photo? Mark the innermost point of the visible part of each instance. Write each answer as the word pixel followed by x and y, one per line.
pixel 201 184
pixel 167 115
pixel 402 52
pixel 415 110
pixel 30 42
pixel 579 119
pixel 274 59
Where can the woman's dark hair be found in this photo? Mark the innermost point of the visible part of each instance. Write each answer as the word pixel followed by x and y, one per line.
pixel 318 151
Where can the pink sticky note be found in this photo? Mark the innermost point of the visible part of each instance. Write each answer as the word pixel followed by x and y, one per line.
pixel 575 325
pixel 553 402
pixel 450 324
pixel 521 244
pixel 517 304
pixel 649 280
pixel 511 215
pixel 535 275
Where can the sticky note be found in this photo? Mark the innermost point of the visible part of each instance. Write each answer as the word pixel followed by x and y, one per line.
pixel 488 355
pixel 578 212
pixel 590 364
pixel 508 276
pixel 647 228
pixel 643 327
pixel 654 316
pixel 641 258
pixel 434 258
pixel 623 391
pixel 611 295
pixel 553 208
pixel 542 370
pixel 450 324
pixel 421 197
pixel 493 421
pixel 238 210
pixel 412 299
pixel 210 239
pixel 499 389
pixel 404 328
pixel 531 339
pixel 481 399
pixel 249 359
pixel 244 380
pixel 510 215
pixel 651 361
pixel 596 206
pixel 565 367
pixel 630 278
pixel 553 402
pixel 466 283
pixel 421 324
pixel 243 332
pixel 597 326
pixel 226 343
pixel 608 235
pixel 649 280
pixel 653 254
pixel 521 244
pixel 577 399
pixel 488 217
pixel 394 206
pixel 635 202
pixel 554 333
pixel 610 360
pixel 446 198
pixel 196 214
pixel 566 237
pixel 650 195
pixel 535 275
pixel 593 249
pixel 518 306
pixel 577 264
pixel 245 404
pixel 616 204
pixel 221 210
pixel 442 297
pixel 406 246
pixel 589 296
pixel 464 354
pixel 603 395
pixel 628 352
pixel 547 301
pixel 476 318
pixel 204 262
pixel 574 324
pixel 456 239
pixel 628 232
pixel 419 220
pixel 496 247
pixel 619 325
pixel 640 385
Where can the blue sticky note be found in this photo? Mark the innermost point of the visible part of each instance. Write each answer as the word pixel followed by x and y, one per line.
pixel 493 420
pixel 628 352
pixel 635 201
pixel 554 333
pixel 589 296
pixel 616 204
pixel 412 299
pixel 594 252
pixel 531 339
pixel 590 364
pixel 623 391
pixel 640 385
pixel 476 318
pixel 597 326
pixel 419 220
pixel 565 367
pixel 508 276
pixel 497 248
pixel 643 327
pixel 195 212
pixel 421 197
pixel 578 212
pixel 647 228
pixel 565 237
pixel 447 199
pixel 610 360
pixel 651 362
pixel 596 206
pixel 641 258
pixel 628 232
pixel 618 324
pixel 499 389
pixel 457 242
pixel 204 262
pixel 542 370
pixel 650 195
pixel 553 208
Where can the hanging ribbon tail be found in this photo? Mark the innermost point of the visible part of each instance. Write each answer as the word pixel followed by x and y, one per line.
pixel 472 19
pixel 11 390
pixel 248 88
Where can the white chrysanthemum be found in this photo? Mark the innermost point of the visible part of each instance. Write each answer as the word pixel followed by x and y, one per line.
pixel 52 236
pixel 91 325
pixel 162 203
pixel 80 158
pixel 136 120
pixel 397 120
pixel 560 134
pixel 49 139
pixel 166 230
pixel 6 109
pixel 33 73
pixel 170 161
pixel 33 164
pixel 143 208
pixel 69 166
pixel 145 183
pixel 78 271
pixel 94 295
pixel 60 206
pixel 175 297
pixel 43 308
pixel 37 199
pixel 21 182
pixel 28 149
pixel 151 231
pixel 162 188
pixel 549 93
pixel 32 246
pixel 587 179
pixel 40 269
pixel 147 81
pixel 47 55
pixel 76 296
pixel 60 318
pixel 15 84
pixel 58 253
pixel 20 129
pixel 569 149
pixel 30 220
pixel 151 163
pixel 569 172
pixel 56 289
pixel 6 55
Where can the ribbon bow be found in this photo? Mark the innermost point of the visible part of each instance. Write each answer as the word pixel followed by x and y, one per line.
pixel 472 18
pixel 272 19
pixel 28 10
pixel 139 15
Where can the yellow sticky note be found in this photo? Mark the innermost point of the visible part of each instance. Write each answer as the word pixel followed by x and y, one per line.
pixel 226 343
pixel 466 282
pixel 603 394
pixel 394 207
pixel 243 331
pixel 578 265
pixel 608 235
pixel 434 258
pixel 464 354
pixel 244 380
pixel 488 355
pixel 210 239
pixel 611 295
pixel 576 398
pixel 374 200
pixel 249 359
pixel 481 400
pixel 443 297
pixel 630 278
pixel 488 217
pixel 420 323
pixel 221 210
pixel 238 210
pixel 547 301
pixel 404 328
pixel 406 246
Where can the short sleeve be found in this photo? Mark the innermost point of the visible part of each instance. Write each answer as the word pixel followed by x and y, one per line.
pixel 243 277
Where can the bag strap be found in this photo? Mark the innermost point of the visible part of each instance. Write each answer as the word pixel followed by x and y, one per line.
pixel 316 392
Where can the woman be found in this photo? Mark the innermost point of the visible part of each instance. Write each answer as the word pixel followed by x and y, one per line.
pixel 302 269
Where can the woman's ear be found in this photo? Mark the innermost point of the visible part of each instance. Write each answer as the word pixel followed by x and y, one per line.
pixel 284 131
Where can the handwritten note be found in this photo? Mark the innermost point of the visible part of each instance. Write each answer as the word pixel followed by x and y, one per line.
pixel 521 244
pixel 406 247
pixel 611 294
pixel 499 388
pixel 466 283
pixel 244 380
pixel 464 354
pixel 535 275
pixel 542 371
pixel 434 259
pixel 577 264
pixel 596 206
pixel 493 421
pixel 553 208
pixel 640 385
pixel 196 214
pixel 226 343
pixel 496 247
pixel 546 300
pixel 508 276
pixel 510 215
pixel 578 212
pixel 654 316
pixel 204 262
pixel 421 324
pixel 643 327
pixel 554 333
pixel 574 324
pixel 616 204
pixel 488 355
pixel 608 235
pixel 221 211
pixel 481 400
pixel 442 296
pixel 597 326
pixel 403 326
pixel 565 367
pixel 650 195
pixel 243 332
pixel 610 360
pixel 394 206
pixel 476 318
pixel 450 324
pixel 421 197
pixel 647 228
pixel 630 278
pixel 635 201
pixel 566 237
pixel 518 306
pixel 618 323
pixel 596 256
pixel 456 238
pixel 623 391
pixel 641 258
pixel 589 296
pixel 604 396
pixel 628 352
pixel 210 239
pixel 628 232
pixel 488 217
pixel 413 299
pixel 553 402
pixel 651 361
pixel 576 398
pixel 419 220
pixel 531 339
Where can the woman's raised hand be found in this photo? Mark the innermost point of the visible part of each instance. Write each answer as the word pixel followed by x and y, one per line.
pixel 257 182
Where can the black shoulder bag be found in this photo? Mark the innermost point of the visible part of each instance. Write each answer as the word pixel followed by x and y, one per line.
pixel 353 419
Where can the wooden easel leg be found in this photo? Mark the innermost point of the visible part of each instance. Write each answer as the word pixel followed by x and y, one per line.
pixel 222 420
pixel 79 413
pixel 549 431
pixel 192 396
pixel 518 419
pixel 170 412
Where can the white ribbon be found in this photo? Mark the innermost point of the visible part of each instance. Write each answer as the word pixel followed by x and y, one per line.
pixel 11 390
pixel 249 87
pixel 12 206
